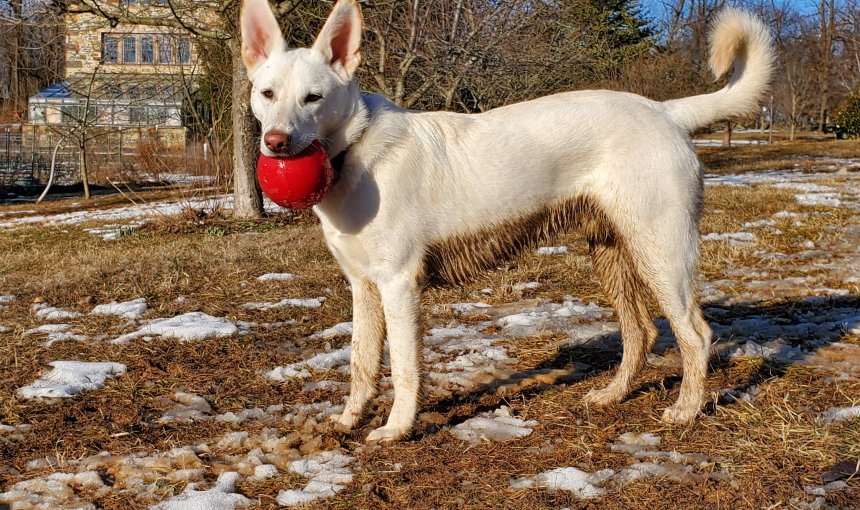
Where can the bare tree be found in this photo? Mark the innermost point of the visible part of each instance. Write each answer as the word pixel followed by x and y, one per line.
pixel 31 40
pixel 827 25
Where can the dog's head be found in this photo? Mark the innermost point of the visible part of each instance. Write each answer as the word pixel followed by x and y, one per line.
pixel 306 94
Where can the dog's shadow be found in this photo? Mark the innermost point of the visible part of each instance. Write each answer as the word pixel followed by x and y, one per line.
pixel 574 363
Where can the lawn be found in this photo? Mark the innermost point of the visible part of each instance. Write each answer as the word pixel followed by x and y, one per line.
pixel 779 278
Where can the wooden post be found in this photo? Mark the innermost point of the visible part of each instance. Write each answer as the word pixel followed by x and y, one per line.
pixel 770 127
pixel 727 134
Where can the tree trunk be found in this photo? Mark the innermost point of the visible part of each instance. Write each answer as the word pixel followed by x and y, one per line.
pixel 247 197
pixel 82 161
pixel 828 24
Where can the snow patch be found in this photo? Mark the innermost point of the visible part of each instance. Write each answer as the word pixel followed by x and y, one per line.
pixel 221 497
pixel 330 360
pixel 56 333
pixel 188 408
pixel 297 302
pixel 837 414
pixel 341 328
pixel 328 472
pixel 498 425
pixel 734 238
pixel 519 287
pixel 131 310
pixel 552 250
pixel 277 277
pixel 46 312
pixel 68 378
pixel 582 484
pixel 5 299
pixel 186 327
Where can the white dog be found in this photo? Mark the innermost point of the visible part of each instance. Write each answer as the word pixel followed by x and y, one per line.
pixel 434 197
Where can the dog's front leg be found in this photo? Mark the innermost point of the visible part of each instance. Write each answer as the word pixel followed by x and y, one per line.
pixel 401 301
pixel 368 335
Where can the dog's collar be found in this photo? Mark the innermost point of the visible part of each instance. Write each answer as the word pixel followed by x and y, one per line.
pixel 337 163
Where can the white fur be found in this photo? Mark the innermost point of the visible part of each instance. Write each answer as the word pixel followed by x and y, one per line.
pixel 411 179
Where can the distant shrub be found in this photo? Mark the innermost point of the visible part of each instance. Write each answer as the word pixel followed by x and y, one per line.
pixel 849 116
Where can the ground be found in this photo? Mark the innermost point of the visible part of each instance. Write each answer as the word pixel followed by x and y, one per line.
pixel 239 384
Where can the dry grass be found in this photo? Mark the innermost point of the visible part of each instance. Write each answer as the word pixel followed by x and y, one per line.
pixel 772 449
pixel 780 155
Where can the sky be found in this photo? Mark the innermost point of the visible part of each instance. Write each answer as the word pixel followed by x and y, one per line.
pixel 656 8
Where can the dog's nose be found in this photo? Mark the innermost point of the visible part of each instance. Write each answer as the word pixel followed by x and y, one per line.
pixel 277 141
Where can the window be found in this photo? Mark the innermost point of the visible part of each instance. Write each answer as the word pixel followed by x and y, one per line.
pixel 157 115
pixel 165 50
pixel 137 115
pixel 142 49
pixel 110 49
pixel 147 50
pixel 129 49
pixel 184 50
pixel 37 114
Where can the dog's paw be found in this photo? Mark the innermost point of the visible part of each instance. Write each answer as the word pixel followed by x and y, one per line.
pixel 386 434
pixel 344 422
pixel 677 415
pixel 603 397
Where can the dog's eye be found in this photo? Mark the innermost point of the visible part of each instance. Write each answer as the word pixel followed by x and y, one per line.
pixel 268 94
pixel 312 98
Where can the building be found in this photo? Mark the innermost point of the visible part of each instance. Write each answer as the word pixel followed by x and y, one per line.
pixel 124 80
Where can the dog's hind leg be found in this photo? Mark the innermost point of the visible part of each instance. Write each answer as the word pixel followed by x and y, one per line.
pixel 670 262
pixel 624 288
pixel 368 335
pixel 401 300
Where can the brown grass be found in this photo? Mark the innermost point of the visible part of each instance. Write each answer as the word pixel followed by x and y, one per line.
pixel 772 449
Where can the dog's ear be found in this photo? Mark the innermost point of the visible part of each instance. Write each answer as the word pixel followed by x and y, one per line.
pixel 261 35
pixel 340 38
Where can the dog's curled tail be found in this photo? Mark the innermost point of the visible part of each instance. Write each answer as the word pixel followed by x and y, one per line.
pixel 740 39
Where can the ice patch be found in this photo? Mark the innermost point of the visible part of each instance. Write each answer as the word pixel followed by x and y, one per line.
pixel 498 425
pixel 186 327
pixel 221 497
pixel 297 302
pixel 341 328
pixel 68 378
pixel 46 312
pixel 131 310
pixel 552 250
pixel 328 472
pixel 277 277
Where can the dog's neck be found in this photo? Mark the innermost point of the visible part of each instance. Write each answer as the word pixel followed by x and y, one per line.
pixel 348 133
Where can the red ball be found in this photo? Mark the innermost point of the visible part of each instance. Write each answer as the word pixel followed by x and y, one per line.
pixel 298 182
